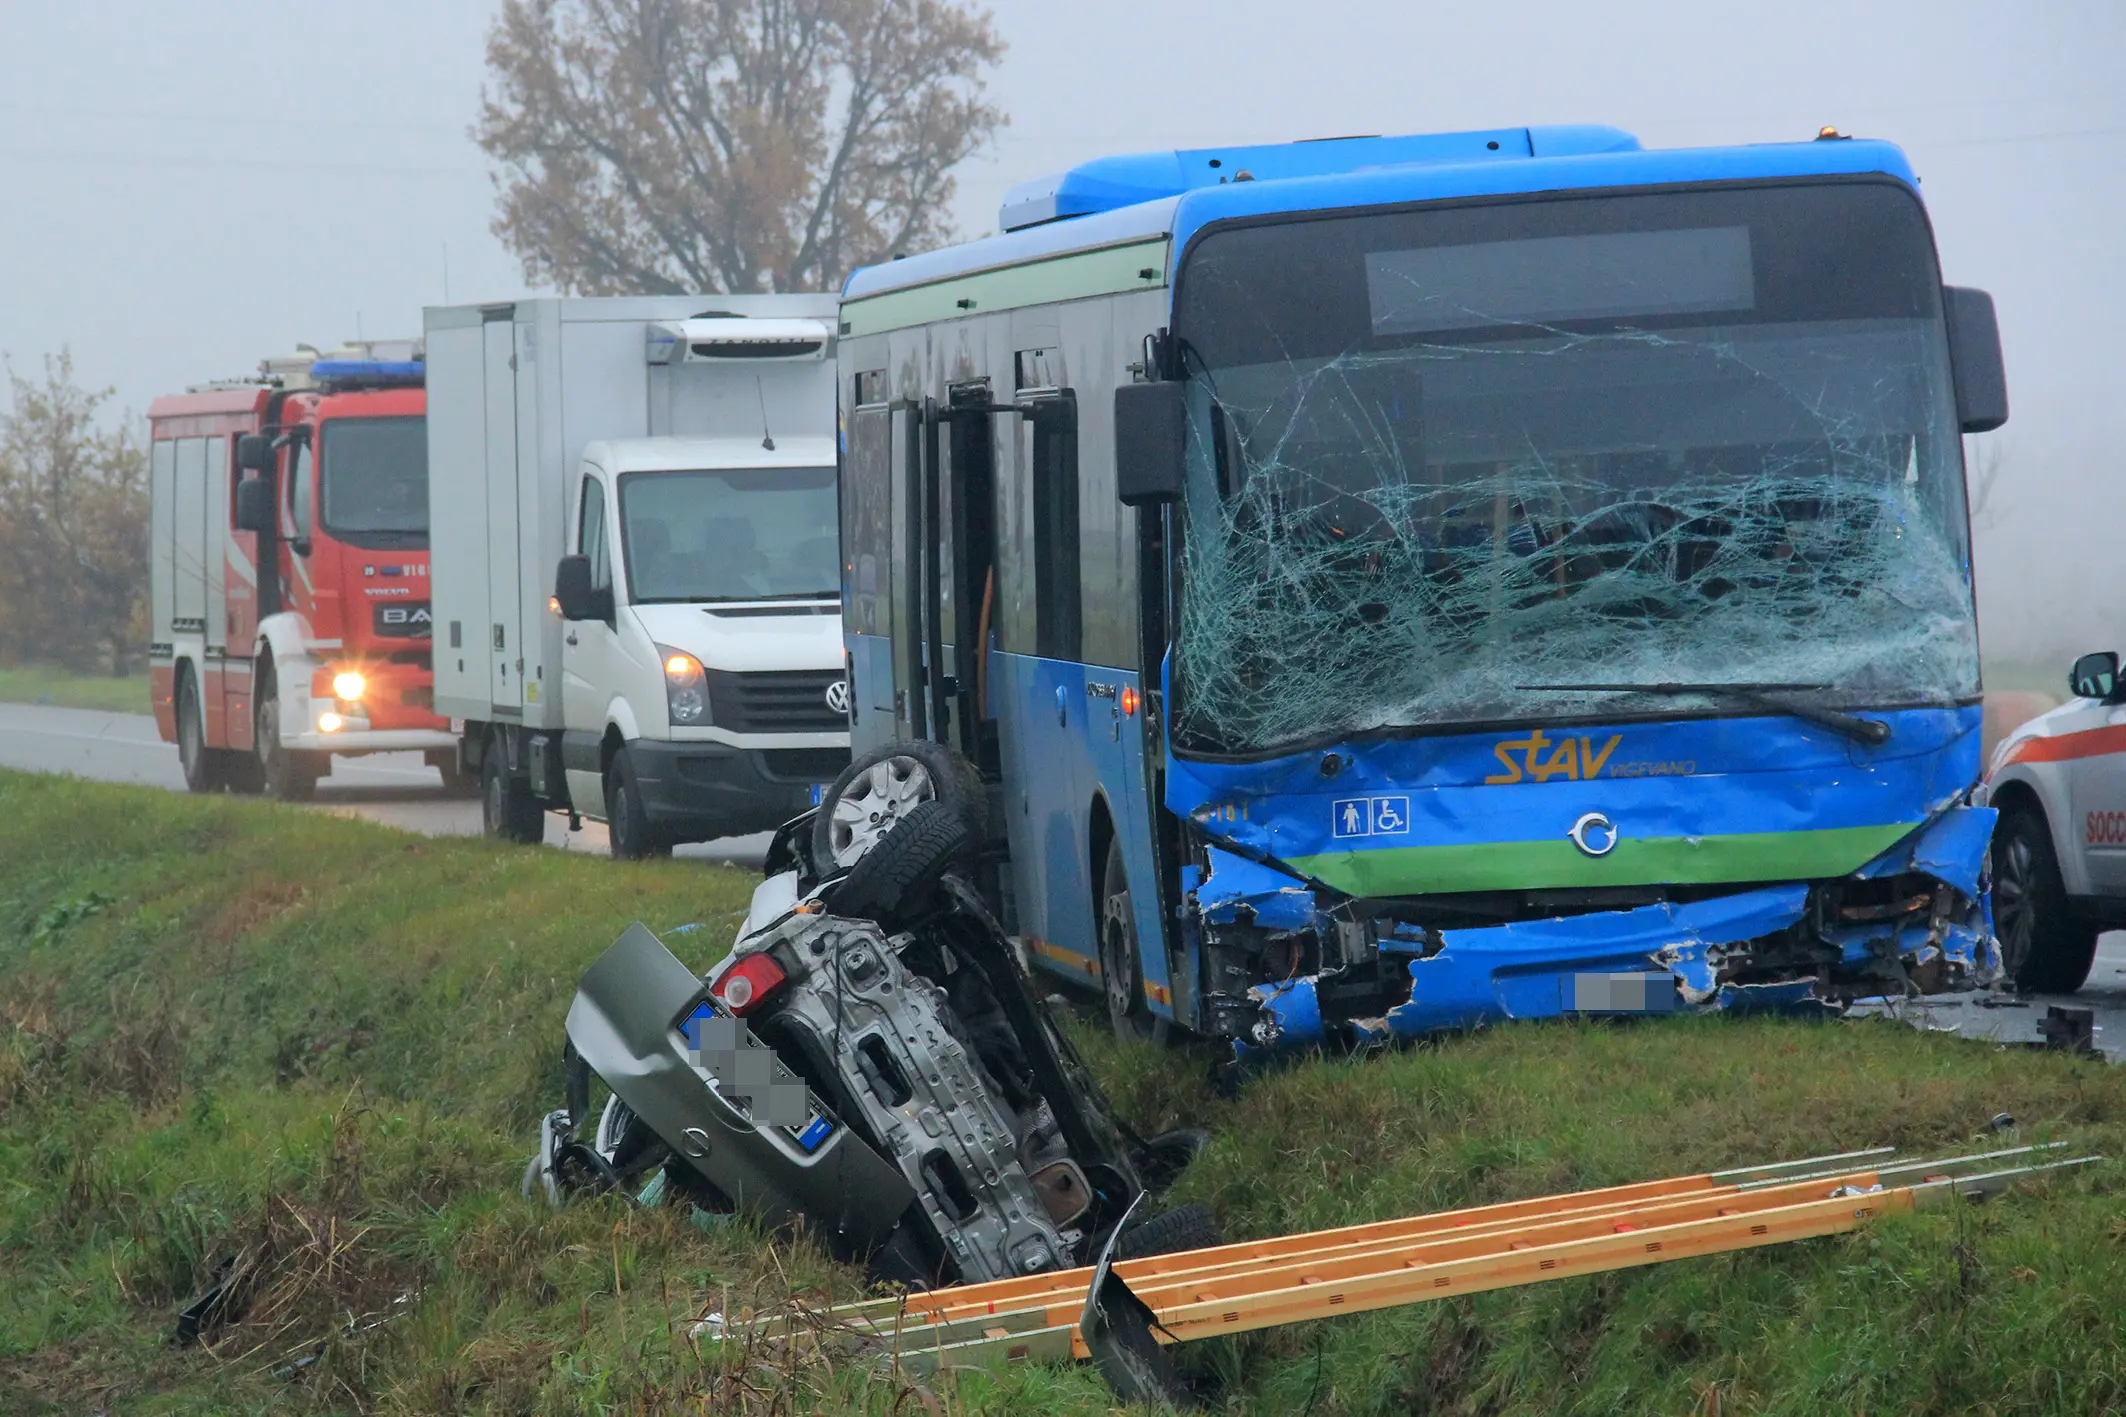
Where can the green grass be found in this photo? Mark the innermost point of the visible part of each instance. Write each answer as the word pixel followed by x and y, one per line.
pixel 37 684
pixel 236 1030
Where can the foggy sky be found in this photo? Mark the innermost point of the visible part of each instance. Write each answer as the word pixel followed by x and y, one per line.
pixel 188 187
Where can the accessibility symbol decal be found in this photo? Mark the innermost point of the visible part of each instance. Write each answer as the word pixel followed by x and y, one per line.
pixel 1370 816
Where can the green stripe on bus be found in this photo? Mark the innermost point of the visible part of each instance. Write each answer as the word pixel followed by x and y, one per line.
pixel 1536 865
pixel 1107 271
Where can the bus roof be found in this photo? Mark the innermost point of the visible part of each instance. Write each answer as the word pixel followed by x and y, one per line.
pixel 1133 213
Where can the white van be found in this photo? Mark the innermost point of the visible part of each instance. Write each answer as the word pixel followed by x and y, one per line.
pixel 636 561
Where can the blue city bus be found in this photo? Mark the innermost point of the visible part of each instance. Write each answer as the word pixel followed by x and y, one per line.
pixel 1388 584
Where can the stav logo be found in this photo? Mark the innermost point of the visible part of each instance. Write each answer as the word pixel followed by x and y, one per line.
pixel 1574 759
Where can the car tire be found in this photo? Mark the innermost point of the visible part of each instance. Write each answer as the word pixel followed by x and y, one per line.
pixel 291 776
pixel 508 811
pixel 629 831
pixel 1185 1227
pixel 1121 961
pixel 205 769
pixel 2045 948
pixel 895 882
pixel 881 787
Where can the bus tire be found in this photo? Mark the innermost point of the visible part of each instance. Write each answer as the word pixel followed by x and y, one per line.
pixel 2045 947
pixel 895 882
pixel 1121 961
pixel 628 829
pixel 881 787
pixel 206 769
pixel 508 811
pixel 289 775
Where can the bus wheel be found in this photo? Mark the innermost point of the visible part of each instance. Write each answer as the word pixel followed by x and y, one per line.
pixel 508 811
pixel 204 768
pixel 883 786
pixel 289 775
pixel 1121 963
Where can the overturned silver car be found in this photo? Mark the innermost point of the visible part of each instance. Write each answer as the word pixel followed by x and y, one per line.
pixel 870 1057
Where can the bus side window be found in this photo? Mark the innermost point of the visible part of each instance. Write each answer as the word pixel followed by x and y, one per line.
pixel 1058 592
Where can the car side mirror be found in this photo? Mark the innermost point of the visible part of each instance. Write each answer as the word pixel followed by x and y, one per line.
pixel 1975 359
pixel 1151 424
pixel 254 500
pixel 2094 676
pixel 254 453
pixel 577 597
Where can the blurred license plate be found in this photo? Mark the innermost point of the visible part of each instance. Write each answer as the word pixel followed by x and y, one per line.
pixel 819 793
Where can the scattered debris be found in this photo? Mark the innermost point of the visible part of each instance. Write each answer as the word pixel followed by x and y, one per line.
pixel 1119 1313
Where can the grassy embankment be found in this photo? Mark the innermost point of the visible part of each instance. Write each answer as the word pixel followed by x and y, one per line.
pixel 37 684
pixel 322 1047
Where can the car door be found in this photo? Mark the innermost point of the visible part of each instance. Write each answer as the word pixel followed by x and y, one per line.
pixel 587 650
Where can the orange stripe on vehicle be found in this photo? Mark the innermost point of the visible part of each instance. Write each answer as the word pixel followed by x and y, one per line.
pixel 1063 956
pixel 2089 743
pixel 1159 993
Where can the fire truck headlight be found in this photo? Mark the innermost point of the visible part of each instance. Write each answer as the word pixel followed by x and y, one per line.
pixel 686 687
pixel 349 685
pixel 329 722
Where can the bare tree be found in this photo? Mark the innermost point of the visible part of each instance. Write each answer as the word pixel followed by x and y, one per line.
pixel 667 146
pixel 73 527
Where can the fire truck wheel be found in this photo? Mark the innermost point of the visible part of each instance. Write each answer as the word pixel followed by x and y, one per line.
pixel 508 811
pixel 627 826
pixel 205 769
pixel 1121 963
pixel 290 776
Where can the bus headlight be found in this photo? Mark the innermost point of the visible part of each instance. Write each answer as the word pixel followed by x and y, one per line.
pixel 686 687
pixel 349 686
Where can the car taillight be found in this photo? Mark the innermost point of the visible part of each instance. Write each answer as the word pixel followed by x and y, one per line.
pixel 749 984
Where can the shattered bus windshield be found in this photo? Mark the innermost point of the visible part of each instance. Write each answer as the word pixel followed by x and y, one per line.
pixel 1438 456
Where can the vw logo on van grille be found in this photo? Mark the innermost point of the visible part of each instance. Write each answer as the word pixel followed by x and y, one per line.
pixel 838 696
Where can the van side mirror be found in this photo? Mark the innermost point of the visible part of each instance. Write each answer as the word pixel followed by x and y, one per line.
pixel 2094 676
pixel 577 597
pixel 254 453
pixel 254 500
pixel 1975 359
pixel 1151 423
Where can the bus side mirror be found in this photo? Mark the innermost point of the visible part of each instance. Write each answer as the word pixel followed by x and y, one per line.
pixel 577 597
pixel 1975 359
pixel 1151 421
pixel 254 453
pixel 254 500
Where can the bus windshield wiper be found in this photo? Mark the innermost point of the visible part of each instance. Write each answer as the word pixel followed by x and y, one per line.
pixel 1861 730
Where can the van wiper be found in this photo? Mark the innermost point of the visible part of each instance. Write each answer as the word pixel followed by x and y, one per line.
pixel 1872 731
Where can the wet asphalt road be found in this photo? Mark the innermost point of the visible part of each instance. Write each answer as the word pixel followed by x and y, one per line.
pixel 397 789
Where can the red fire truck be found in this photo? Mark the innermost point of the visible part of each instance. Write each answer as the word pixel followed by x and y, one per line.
pixel 288 572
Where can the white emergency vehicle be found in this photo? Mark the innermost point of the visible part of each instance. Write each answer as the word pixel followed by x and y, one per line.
pixel 2059 851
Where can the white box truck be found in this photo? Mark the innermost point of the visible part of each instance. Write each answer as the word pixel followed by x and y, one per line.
pixel 635 567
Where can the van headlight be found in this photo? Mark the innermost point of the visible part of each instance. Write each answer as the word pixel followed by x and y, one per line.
pixel 686 687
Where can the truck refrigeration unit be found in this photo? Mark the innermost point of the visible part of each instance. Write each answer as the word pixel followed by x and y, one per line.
pixel 288 570
pixel 637 574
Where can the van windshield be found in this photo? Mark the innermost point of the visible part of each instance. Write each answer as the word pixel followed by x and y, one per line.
pixel 730 534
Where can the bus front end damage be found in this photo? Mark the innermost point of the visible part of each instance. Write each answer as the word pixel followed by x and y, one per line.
pixel 1290 963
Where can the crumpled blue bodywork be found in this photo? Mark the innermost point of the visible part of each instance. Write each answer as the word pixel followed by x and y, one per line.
pixel 1649 959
